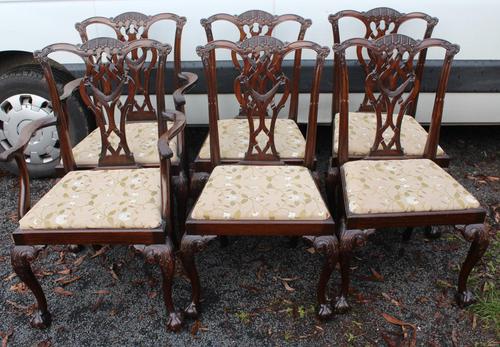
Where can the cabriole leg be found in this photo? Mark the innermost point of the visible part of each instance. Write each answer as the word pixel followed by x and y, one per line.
pixel 329 246
pixel 349 240
pixel 477 234
pixel 163 255
pixel 191 244
pixel 21 258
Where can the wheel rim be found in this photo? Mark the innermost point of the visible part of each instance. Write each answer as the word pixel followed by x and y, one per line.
pixel 15 113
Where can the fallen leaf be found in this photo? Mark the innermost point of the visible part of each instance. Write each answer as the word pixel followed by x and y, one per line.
pixel 152 294
pixel 65 271
pixel 403 325
pixel 289 279
pixel 10 277
pixel 250 288
pixel 287 286
pixel 62 291
pixel 6 336
pixel 391 300
pixel 454 337
pixel 101 251
pixel 311 250
pixel 65 280
pixel 97 304
pixel 79 260
pixel 195 328
pixel 376 276
pixel 102 292
pixel 18 288
pixel 46 343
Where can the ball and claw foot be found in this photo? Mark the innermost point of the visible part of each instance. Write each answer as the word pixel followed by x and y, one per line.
pixel 341 305
pixel 324 312
pixel 465 299
pixel 191 311
pixel 432 232
pixel 174 322
pixel 41 320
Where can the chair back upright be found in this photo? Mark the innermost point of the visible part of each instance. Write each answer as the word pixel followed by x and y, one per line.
pixel 377 23
pixel 261 23
pixel 391 87
pixel 109 72
pixel 131 26
pixel 262 89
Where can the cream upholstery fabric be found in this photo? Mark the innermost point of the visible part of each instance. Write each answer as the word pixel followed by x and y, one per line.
pixel 233 139
pixel 362 129
pixel 126 198
pixel 142 139
pixel 415 185
pixel 242 192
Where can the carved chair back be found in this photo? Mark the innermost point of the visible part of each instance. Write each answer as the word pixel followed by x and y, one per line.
pixel 261 23
pixel 256 88
pixel 391 87
pixel 108 73
pixel 377 23
pixel 131 26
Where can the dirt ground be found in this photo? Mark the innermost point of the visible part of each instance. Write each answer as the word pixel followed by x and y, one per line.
pixel 261 291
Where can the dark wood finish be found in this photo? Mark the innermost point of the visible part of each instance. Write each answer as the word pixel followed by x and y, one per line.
pixel 394 77
pixel 249 24
pixel 377 22
pixel 108 74
pixel 130 26
pixel 260 78
pixel 261 23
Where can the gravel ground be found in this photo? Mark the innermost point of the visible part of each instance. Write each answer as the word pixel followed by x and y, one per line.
pixel 116 298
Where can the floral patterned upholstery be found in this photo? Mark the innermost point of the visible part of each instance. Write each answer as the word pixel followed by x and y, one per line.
pixel 233 139
pixel 142 139
pixel 243 192
pixel 125 198
pixel 362 128
pixel 414 185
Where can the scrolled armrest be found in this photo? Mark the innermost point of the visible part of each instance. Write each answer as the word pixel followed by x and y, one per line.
pixel 24 137
pixel 178 95
pixel 179 120
pixel 70 87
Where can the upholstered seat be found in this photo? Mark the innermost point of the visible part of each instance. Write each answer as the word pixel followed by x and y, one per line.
pixel 100 199
pixel 362 129
pixel 142 138
pixel 414 185
pixel 242 192
pixel 233 139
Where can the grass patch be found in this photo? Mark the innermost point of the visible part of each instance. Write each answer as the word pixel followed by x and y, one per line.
pixel 487 307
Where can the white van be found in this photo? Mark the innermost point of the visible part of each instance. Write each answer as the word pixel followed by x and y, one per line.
pixel 28 25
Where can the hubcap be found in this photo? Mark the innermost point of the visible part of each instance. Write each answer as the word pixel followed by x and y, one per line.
pixel 15 113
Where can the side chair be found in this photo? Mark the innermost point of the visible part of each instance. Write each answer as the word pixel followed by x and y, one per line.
pixel 232 130
pixel 386 188
pixel 119 202
pixel 260 194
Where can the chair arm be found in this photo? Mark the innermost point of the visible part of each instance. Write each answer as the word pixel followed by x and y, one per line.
pixel 69 88
pixel 178 95
pixel 179 120
pixel 24 137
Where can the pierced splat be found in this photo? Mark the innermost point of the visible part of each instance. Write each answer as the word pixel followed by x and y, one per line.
pixel 100 89
pixel 255 23
pixel 107 75
pixel 394 79
pixel 391 88
pixel 131 26
pixel 378 22
pixel 256 88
